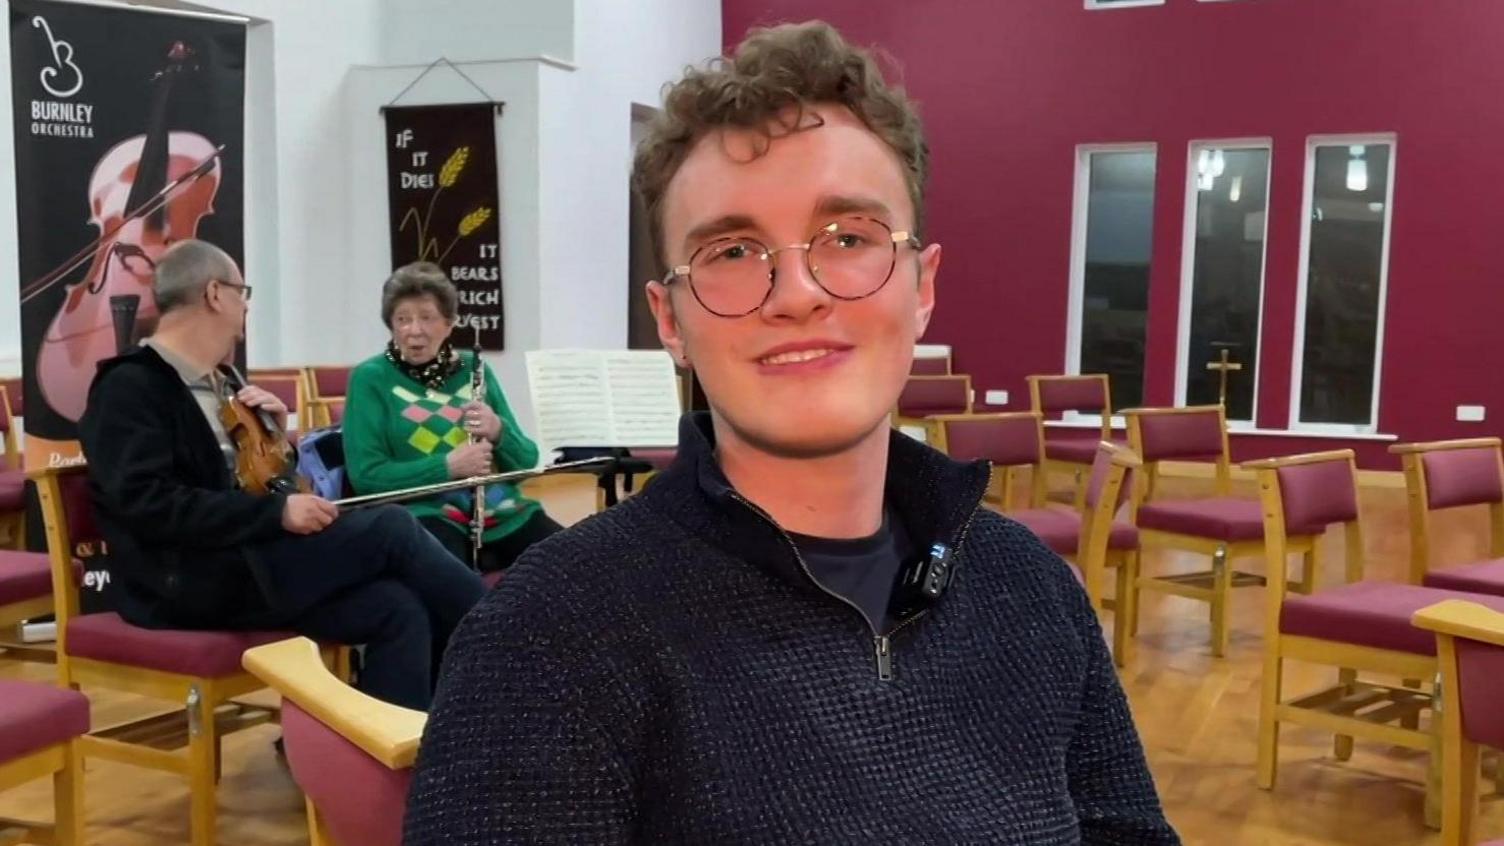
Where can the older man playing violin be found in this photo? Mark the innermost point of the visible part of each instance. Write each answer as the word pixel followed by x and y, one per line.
pixel 191 549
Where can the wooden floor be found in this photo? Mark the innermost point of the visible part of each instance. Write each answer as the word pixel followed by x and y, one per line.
pixel 1197 717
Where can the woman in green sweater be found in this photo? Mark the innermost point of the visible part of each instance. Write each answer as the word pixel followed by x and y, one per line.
pixel 409 418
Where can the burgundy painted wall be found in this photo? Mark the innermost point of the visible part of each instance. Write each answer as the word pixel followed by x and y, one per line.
pixel 1009 88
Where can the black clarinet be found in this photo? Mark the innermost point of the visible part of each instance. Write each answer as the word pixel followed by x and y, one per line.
pixel 478 518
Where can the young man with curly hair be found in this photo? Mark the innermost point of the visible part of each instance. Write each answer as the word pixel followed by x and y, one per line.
pixel 807 630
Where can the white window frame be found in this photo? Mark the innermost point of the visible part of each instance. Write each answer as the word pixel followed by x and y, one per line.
pixel 1077 285
pixel 1122 4
pixel 1188 266
pixel 1297 359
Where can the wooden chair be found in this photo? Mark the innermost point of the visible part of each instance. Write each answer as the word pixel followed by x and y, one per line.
pixel 290 389
pixel 1357 627
pixel 25 594
pixel 10 409
pixel 1454 474
pixel 352 755
pixel 327 387
pixel 1470 649
pixel 256 373
pixel 1087 393
pixel 932 360
pixel 1096 541
pixel 296 397
pixel 1222 526
pixel 39 727
pixel 1011 441
pixel 12 476
pixel 930 366
pixel 926 396
pixel 1093 538
pixel 199 671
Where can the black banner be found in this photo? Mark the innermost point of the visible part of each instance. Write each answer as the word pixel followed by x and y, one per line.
pixel 444 199
pixel 129 131
pixel 111 108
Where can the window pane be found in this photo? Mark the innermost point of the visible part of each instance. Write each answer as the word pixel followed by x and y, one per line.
pixel 1115 288
pixel 1232 195
pixel 1349 207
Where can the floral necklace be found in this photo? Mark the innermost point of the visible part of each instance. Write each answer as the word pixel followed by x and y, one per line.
pixel 432 374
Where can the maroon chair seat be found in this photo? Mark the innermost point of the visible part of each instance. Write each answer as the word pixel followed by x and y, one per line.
pixel 1061 530
pixel 12 490
pixel 1219 518
pixel 107 637
pixel 358 799
pixel 1485 577
pixel 659 458
pixel 37 716
pixel 23 576
pixel 1373 614
pixel 491 579
pixel 1075 450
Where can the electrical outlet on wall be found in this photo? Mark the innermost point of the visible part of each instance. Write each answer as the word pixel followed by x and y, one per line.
pixel 1470 414
pixel 997 397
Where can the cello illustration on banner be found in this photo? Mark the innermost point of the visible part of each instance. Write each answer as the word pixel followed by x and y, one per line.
pixel 145 194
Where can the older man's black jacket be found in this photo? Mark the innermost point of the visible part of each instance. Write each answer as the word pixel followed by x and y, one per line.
pixel 166 504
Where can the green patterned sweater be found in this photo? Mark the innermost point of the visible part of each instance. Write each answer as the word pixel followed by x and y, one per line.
pixel 397 433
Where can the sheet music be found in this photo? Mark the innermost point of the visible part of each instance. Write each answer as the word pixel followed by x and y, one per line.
pixel 644 398
pixel 568 388
pixel 621 398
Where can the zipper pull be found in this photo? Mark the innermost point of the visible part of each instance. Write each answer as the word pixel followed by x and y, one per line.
pixel 884 658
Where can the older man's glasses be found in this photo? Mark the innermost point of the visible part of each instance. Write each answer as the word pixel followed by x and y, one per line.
pixel 850 259
pixel 245 290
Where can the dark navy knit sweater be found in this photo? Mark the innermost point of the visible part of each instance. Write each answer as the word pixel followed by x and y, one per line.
pixel 667 672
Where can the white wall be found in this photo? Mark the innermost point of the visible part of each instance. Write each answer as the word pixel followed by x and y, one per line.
pixel 294 246
pixel 10 295
pixel 627 52
pixel 419 31
pixel 316 232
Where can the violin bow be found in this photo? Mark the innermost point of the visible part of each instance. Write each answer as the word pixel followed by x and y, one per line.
pixel 156 201
pixel 588 465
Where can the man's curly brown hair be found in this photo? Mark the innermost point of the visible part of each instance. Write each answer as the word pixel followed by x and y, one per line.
pixel 775 68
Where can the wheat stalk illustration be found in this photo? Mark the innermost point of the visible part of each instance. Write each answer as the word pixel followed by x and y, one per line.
pixel 449 174
pixel 468 224
pixel 453 167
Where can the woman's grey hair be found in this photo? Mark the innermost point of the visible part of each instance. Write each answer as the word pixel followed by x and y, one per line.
pixel 419 279
pixel 186 269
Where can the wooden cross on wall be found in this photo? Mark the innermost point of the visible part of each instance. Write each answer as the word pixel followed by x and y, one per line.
pixel 1223 366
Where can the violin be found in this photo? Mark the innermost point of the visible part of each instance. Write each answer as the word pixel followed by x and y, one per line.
pixel 265 462
pixel 147 193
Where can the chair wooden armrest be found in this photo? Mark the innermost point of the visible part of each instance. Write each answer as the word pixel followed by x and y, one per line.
pixel 986 415
pixel 1121 456
pixel 1295 460
pixel 1460 618
pixel 1437 446
pixel 295 669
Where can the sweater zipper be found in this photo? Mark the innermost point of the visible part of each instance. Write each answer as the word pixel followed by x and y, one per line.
pixel 881 644
pixel 884 647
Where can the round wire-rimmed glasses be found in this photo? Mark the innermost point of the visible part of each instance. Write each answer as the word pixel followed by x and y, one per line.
pixel 850 259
